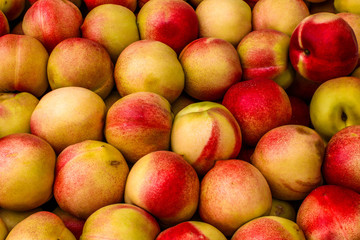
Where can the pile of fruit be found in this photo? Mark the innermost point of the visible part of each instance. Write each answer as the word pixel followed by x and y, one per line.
pixel 173 119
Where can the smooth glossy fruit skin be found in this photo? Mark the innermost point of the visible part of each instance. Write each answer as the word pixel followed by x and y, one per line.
pixel 330 212
pixel 332 53
pixel 341 160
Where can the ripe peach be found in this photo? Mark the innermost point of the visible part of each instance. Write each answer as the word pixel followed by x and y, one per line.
pixel 74 224
pixel 232 193
pixel 204 132
pixel 32 158
pixel 173 22
pixel 81 62
pixel 160 71
pixel 23 65
pixel 330 212
pixel 106 24
pixel 89 175
pixel 290 178
pixel 352 6
pixel 12 8
pixel 165 185
pixel 138 124
pixel 63 20
pixel 211 66
pixel 269 227
pixel 323 46
pixel 68 115
pixel 118 220
pixel 11 217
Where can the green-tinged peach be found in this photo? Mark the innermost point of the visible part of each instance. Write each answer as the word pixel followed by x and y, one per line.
pixel 23 65
pixel 229 19
pixel 81 62
pixel 15 112
pixel 290 178
pixel 118 220
pixel 12 8
pixel 11 217
pixel 191 230
pixel 106 24
pixel 335 105
pixel 32 158
pixel 352 6
pixel 265 15
pixel 165 185
pixel 69 115
pixel 204 132
pixel 232 193
pixel 269 227
pixel 211 66
pixel 89 175
pixel 151 66
pixel 41 225
pixel 138 124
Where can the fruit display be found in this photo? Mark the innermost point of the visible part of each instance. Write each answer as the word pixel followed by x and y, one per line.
pixel 179 120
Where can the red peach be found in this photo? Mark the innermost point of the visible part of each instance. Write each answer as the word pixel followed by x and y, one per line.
pixel 232 193
pixel 323 46
pixel 4 24
pixel 23 65
pixel 341 162
pixel 74 224
pixel 211 66
pixel 63 20
pixel 330 212
pixel 83 63
pixel 138 124
pixel 173 22
pixel 165 185
pixel 258 105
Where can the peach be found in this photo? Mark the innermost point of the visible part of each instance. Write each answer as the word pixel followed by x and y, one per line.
pixel 41 225
pixel 204 132
pixel 107 25
pixel 352 6
pixel 23 66
pixel 258 105
pixel 232 193
pixel 130 4
pixel 191 230
pixel 68 115
pixel 284 209
pixel 173 22
pixel 149 66
pixel 11 217
pixel 342 154
pixel 211 66
pixel 117 221
pixel 4 24
pixel 229 20
pixel 3 230
pixel 290 158
pixel 32 158
pixel 89 175
pixel 353 20
pixel 264 53
pixel 63 20
pixel 138 124
pixel 15 112
pixel 12 8
pixel 81 62
pixel 265 15
pixel 74 224
pixel 269 227
pixel 300 112
pixel 165 185
pixel 323 46
pixel 330 212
